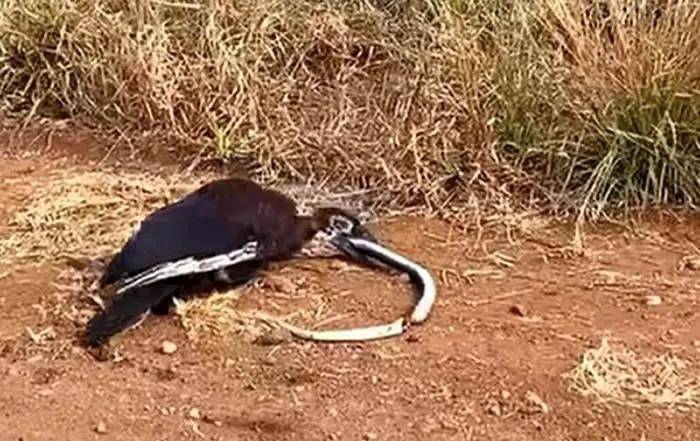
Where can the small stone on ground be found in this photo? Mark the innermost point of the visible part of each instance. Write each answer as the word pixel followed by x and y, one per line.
pixel 169 347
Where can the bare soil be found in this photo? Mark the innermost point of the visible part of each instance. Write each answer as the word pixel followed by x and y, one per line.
pixel 495 339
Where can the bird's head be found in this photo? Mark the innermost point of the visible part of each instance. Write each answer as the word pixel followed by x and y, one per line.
pixel 331 228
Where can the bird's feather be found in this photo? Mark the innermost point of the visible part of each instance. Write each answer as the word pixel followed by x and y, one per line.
pixel 126 309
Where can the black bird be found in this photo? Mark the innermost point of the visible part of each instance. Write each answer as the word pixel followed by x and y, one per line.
pixel 224 233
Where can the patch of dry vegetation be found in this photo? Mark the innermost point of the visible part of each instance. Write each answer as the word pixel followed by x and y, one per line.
pixel 219 319
pixel 619 375
pixel 85 214
pixel 576 105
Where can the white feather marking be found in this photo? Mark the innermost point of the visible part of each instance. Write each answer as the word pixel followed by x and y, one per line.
pixel 190 265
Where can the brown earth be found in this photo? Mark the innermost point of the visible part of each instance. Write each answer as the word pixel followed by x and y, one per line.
pixel 469 372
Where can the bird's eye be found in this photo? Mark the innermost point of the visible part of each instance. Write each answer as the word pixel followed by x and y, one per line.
pixel 341 224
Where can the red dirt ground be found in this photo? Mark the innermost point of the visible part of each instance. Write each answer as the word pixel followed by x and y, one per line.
pixel 463 375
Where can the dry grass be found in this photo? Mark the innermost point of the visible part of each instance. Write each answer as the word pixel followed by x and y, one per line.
pixel 220 319
pixel 293 90
pixel 215 316
pixel 618 375
pixel 85 214
pixel 575 105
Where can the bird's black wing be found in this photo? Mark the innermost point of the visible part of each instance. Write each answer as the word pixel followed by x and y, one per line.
pixel 216 219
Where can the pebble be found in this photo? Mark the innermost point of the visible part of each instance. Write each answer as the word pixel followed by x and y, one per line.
pixel 45 392
pixel 518 310
pixel 273 337
pixel 169 347
pixel 101 428
pixel 195 414
pixel 693 263
pixel 536 401
pixel 653 300
pixel 412 338
pixel 210 420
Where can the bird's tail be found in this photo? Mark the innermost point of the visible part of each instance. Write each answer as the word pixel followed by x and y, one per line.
pixel 125 310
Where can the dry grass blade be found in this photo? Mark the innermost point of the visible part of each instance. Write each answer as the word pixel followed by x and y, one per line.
pixel 621 376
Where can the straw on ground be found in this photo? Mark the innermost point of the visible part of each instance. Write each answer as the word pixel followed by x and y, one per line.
pixel 616 374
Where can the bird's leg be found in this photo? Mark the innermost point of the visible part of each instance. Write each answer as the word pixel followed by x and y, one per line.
pixel 140 321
